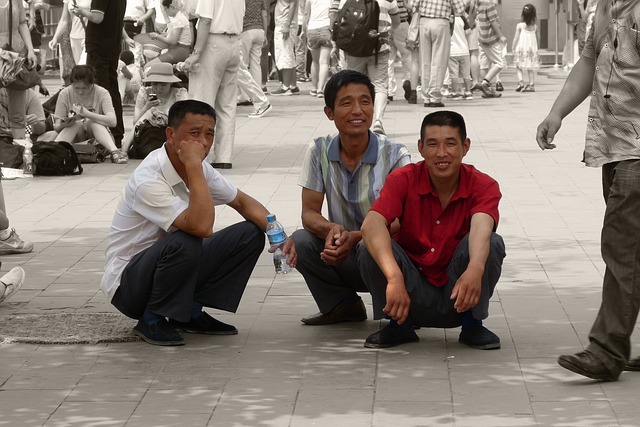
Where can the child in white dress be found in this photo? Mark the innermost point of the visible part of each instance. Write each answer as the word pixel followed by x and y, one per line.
pixel 525 48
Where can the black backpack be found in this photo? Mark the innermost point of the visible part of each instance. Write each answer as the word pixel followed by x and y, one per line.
pixel 55 158
pixel 351 29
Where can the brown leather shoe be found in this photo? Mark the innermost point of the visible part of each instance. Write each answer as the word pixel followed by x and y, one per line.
pixel 352 313
pixel 633 364
pixel 587 364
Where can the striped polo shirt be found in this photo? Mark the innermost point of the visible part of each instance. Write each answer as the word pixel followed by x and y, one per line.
pixel 350 195
pixel 441 9
pixel 387 8
pixel 487 14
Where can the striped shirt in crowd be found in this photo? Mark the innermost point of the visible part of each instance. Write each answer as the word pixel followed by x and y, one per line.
pixel 487 14
pixel 350 195
pixel 387 8
pixel 402 11
pixel 438 8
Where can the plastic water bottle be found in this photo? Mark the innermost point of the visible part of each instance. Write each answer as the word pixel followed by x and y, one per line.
pixel 277 237
pixel 27 160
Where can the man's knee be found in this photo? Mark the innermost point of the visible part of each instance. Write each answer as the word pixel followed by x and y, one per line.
pixel 306 243
pixel 496 248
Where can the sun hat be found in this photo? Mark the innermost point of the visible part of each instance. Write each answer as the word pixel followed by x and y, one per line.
pixel 161 72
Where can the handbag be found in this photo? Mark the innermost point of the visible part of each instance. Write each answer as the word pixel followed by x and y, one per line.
pixel 16 74
pixel 89 152
pixel 10 153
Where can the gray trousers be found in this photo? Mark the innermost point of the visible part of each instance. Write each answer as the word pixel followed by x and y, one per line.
pixel 181 269
pixel 610 336
pixel 431 306
pixel 329 285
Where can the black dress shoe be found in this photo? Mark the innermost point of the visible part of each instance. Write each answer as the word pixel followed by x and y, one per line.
pixel 245 103
pixel 406 85
pixel 587 364
pixel 633 364
pixel 351 313
pixel 204 324
pixel 391 336
pixel 160 333
pixel 221 165
pixel 479 337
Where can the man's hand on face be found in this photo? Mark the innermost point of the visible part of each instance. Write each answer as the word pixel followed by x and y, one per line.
pixel 190 151
pixel 337 246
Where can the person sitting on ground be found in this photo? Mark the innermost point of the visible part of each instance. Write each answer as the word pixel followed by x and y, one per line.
pixel 347 169
pixel 160 92
pixel 34 117
pixel 177 38
pixel 442 266
pixel 163 259
pixel 129 76
pixel 11 283
pixel 84 110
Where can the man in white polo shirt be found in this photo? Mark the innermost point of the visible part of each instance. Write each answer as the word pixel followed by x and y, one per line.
pixel 214 81
pixel 163 262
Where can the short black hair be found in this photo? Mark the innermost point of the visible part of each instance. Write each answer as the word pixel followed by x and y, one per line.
pixel 127 57
pixel 179 110
pixel 167 3
pixel 83 73
pixel 341 79
pixel 445 118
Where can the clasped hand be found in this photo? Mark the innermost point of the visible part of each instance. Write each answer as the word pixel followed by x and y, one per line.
pixel 337 245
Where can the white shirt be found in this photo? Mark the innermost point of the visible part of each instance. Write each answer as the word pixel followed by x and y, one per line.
pixel 77 30
pixel 226 15
pixel 319 16
pixel 152 199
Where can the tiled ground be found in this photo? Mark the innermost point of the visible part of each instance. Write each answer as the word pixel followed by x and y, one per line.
pixel 278 372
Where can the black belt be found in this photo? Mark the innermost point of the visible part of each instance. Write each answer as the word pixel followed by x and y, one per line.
pixel 225 34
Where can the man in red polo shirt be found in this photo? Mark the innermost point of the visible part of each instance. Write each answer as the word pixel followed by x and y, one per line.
pixel 442 266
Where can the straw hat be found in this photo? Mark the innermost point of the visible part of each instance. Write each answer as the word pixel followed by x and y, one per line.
pixel 161 72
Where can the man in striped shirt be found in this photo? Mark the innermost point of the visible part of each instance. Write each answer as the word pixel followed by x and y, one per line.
pixel 435 42
pixel 491 42
pixel 348 170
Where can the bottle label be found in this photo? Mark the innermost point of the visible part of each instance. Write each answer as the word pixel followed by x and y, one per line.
pixel 276 237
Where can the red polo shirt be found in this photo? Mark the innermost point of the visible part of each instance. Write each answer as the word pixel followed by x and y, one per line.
pixel 428 234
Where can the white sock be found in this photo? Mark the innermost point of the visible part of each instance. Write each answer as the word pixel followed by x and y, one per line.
pixel 5 234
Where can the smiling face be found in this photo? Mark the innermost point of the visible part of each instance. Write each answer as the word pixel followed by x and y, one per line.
pixel 443 150
pixel 353 110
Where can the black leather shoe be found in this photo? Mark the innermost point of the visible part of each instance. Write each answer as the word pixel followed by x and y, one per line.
pixel 413 98
pixel 158 333
pixel 633 364
pixel 587 364
pixel 221 165
pixel 352 313
pixel 205 325
pixel 391 336
pixel 406 85
pixel 479 337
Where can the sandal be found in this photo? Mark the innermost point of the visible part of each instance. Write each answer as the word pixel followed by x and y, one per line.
pixel 313 92
pixel 519 87
pixel 119 158
pixel 12 281
pixel 529 88
pixel 320 94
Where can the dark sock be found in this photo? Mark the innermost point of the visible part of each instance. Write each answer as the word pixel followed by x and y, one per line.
pixel 349 300
pixel 151 318
pixel 196 310
pixel 406 325
pixel 468 321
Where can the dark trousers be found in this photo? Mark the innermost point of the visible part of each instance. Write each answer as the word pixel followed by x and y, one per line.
pixel 328 284
pixel 181 269
pixel 610 335
pixel 106 70
pixel 431 306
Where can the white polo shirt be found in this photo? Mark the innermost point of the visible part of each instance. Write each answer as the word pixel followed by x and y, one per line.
pixel 152 199
pixel 226 15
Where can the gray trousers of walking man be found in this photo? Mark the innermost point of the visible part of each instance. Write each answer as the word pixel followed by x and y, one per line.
pixel 431 306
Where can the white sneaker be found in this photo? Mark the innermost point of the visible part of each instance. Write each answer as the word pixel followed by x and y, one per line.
pixel 14 245
pixel 260 112
pixel 12 282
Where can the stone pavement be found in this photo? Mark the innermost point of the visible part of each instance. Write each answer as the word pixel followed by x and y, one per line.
pixel 279 372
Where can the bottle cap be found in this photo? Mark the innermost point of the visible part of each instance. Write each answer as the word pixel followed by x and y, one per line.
pixel 271 218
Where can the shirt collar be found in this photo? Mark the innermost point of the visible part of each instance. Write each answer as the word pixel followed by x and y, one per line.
pixel 370 155
pixel 168 171
pixel 424 182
